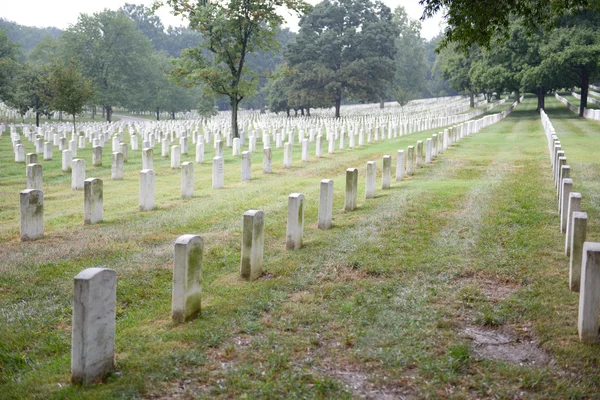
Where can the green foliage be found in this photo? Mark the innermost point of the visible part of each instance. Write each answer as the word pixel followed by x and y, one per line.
pixel 345 49
pixel 9 53
pixel 27 36
pixel 410 59
pixel 113 53
pixel 67 89
pixel 476 22
pixel 31 90
pixel 456 66
pixel 232 30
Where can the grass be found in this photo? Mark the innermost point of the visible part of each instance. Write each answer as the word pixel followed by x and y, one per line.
pixel 378 304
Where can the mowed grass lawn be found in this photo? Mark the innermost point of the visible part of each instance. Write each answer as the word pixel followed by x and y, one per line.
pixel 453 283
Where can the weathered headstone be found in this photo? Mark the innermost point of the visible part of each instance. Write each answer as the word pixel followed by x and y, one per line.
pixel 305 150
pixel 578 237
pixel 351 189
pixel 32 214
pixel 419 159
pixel 47 151
pixel 31 158
pixel 78 174
pixel 574 205
pixel 246 166
pixel 235 151
pixel 325 204
pixel 93 200
pixel 252 244
pixel 187 180
pixel 319 147
pixel 386 174
pixel 19 153
pixel 410 160
pixel 124 148
pixel 117 166
pixel 371 180
pixel 34 176
pixel 187 278
pixel 400 161
pixel 199 152
pixel 589 295
pixel 97 156
pixel 287 155
pixel 175 157
pixel 295 221
pixel 428 150
pixel 218 173
pixel 147 189
pixel 567 186
pixel 147 158
pixel 267 160
pixel 94 322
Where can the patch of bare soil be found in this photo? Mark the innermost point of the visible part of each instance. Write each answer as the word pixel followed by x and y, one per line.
pixel 358 383
pixel 505 345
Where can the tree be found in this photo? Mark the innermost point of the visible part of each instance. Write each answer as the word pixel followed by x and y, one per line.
pixel 31 91
pixel 476 21
pixel 9 54
pixel 69 91
pixel 113 54
pixel 232 29
pixel 345 49
pixel 573 51
pixel 456 66
pixel 410 58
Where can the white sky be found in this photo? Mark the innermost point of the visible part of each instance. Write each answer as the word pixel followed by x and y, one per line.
pixel 62 13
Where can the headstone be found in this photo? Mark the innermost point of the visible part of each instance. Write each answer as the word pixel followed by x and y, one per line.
pixel 295 222
pixel 218 175
pixel 147 158
pixel 428 150
pixel 419 159
pixel 32 214
pixel 567 186
pixel 235 151
pixel 78 174
pixel 287 155
pixel 93 198
pixel 319 147
pixel 97 156
pixel 147 189
pixel 371 180
pixel 400 165
pixel 115 144
pixel 187 180
pixel 117 166
pixel 252 244
pixel 81 142
pixel 267 160
pixel 246 166
pixel 386 174
pixel 34 176
pixel 219 148
pixel 589 295
pixel 73 148
pixel 31 158
pixel 175 157
pixel 94 322
pixel 47 151
pixel 124 148
pixel 410 160
pixel 187 278
pixel 305 150
pixel 165 147
pixel 351 189
pixel 183 144
pixel 325 204
pixel 578 237
pixel 19 153
pixel 199 152
pixel 574 205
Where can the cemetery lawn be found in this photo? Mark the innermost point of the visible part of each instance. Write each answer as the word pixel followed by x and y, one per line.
pixel 453 283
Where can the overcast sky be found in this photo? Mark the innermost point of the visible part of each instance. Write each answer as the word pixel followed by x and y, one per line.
pixel 62 13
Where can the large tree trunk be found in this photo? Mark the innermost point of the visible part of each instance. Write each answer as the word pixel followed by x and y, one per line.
pixel 37 119
pixel 471 99
pixel 541 98
pixel 308 111
pixel 234 117
pixel 109 112
pixel 157 114
pixel 382 104
pixel 60 116
pixel 74 127
pixel 93 112
pixel 518 95
pixel 287 110
pixel 338 104
pixel 302 111
pixel 585 81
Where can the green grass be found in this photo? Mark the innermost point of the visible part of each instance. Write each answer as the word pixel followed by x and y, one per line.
pixel 380 301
